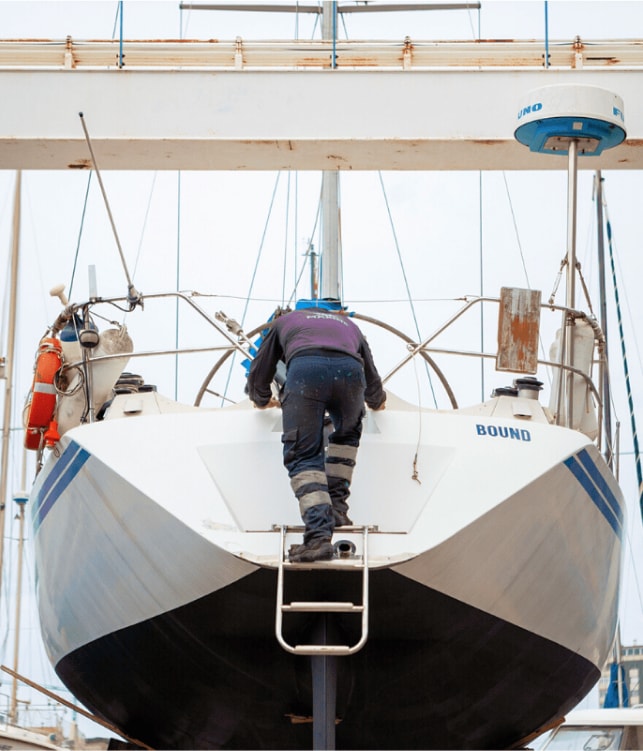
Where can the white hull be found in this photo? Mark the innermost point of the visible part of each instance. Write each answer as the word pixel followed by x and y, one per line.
pixel 497 522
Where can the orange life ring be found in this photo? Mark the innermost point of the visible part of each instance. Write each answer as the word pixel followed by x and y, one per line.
pixel 42 400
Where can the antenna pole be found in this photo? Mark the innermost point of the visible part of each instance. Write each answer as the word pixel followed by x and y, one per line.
pixel 134 297
pixel 572 183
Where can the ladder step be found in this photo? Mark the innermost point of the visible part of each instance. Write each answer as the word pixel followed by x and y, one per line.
pixel 322 607
pixel 321 649
pixel 352 564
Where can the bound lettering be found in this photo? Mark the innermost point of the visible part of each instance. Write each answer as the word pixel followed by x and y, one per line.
pixel 503 431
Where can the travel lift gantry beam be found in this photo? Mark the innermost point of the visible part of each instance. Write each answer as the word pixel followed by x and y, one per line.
pixel 422 105
pixel 323 654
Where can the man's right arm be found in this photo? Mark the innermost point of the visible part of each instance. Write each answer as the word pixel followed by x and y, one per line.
pixel 262 370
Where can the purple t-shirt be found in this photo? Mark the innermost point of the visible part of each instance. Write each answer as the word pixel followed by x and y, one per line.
pixel 305 330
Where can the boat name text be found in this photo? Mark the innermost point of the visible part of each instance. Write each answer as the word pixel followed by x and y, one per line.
pixel 503 431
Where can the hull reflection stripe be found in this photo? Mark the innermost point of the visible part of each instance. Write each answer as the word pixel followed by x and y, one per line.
pixel 67 467
pixel 602 485
pixel 54 475
pixel 584 478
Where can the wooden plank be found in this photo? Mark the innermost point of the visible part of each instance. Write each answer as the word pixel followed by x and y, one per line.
pixel 518 330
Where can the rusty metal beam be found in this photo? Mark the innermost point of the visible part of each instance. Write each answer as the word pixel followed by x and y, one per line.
pixel 214 119
pixel 318 10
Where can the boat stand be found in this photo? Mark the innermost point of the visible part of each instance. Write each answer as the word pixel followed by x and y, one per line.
pixel 324 674
pixel 323 652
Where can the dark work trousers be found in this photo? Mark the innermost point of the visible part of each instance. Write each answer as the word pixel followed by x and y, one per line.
pixel 316 385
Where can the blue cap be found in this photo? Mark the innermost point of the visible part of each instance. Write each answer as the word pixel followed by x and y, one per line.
pixel 328 303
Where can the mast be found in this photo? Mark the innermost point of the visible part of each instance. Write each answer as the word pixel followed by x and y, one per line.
pixel 330 267
pixel 9 364
pixel 330 282
pixel 21 501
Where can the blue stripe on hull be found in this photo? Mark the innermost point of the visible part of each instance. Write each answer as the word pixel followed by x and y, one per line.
pixel 594 484
pixel 65 470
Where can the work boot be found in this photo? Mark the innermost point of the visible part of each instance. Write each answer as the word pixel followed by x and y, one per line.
pixel 317 549
pixel 317 535
pixel 341 519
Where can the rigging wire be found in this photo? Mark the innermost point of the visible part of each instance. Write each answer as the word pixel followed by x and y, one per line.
pixel 133 296
pixel 634 568
pixel 261 247
pixel 524 265
pixel 144 226
pixel 118 10
pixel 80 234
pixel 628 385
pixel 310 249
pixel 178 285
pixel 286 230
pixel 406 281
pixel 546 34
pixel 515 226
pixel 481 272
pixel 253 278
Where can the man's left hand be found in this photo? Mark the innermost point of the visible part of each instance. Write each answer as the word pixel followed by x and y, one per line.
pixel 272 403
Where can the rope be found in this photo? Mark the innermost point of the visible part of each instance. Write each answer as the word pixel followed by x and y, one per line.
pixel 626 372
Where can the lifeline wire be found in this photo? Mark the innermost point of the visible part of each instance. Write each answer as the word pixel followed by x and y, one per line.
pixel 630 401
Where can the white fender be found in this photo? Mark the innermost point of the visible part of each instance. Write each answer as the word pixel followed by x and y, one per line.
pixel 584 409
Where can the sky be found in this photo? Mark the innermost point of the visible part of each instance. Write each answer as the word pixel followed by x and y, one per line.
pixel 439 224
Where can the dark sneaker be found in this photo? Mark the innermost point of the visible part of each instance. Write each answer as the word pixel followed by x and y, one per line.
pixel 319 549
pixel 341 519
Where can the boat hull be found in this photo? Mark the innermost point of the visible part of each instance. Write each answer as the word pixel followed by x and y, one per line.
pixel 493 582
pixel 435 673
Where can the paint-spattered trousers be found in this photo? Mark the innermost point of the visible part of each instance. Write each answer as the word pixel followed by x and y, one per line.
pixel 317 385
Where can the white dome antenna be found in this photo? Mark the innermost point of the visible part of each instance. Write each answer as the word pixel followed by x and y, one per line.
pixel 570 120
pixel 551 118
